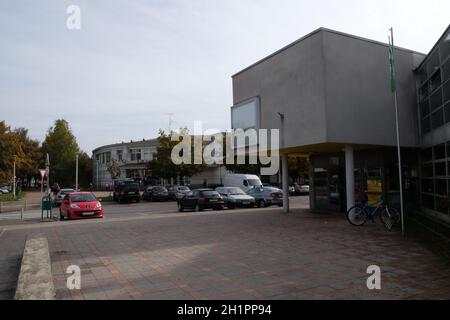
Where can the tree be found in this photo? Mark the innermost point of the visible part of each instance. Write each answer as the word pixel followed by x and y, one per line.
pixel 10 148
pixel 84 169
pixel 163 167
pixel 114 169
pixel 33 153
pixel 62 147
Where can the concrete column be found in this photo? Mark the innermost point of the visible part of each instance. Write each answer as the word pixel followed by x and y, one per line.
pixel 285 182
pixel 349 176
pixel 312 190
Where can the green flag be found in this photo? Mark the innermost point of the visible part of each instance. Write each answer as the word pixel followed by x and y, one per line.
pixel 391 62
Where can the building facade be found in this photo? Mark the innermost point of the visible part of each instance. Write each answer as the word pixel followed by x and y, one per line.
pixel 133 160
pixel 132 157
pixel 332 90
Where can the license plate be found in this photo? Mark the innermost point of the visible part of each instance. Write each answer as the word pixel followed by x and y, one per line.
pixel 90 213
pixel 245 202
pixel 213 200
pixel 130 192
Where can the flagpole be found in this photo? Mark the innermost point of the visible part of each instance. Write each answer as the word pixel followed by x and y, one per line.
pixel 398 133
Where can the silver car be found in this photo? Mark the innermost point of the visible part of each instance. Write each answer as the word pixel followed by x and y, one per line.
pixel 234 197
pixel 60 196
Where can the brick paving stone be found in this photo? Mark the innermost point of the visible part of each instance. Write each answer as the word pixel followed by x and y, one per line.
pixel 251 254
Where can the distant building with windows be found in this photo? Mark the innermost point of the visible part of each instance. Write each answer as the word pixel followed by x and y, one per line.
pixel 133 159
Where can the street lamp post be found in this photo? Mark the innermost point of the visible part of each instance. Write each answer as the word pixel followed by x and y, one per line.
pixel 97 171
pixel 284 169
pixel 76 174
pixel 14 178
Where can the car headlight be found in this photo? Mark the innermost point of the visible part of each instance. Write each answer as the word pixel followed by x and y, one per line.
pixel 98 205
pixel 74 206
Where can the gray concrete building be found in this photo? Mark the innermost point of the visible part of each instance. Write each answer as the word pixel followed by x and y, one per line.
pixel 332 90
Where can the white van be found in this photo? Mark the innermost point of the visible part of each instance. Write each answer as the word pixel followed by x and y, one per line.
pixel 243 181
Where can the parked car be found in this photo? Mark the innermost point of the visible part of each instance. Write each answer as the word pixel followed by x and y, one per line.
pixel 301 189
pixel 80 205
pixel 155 193
pixel 267 196
pixel 4 190
pixel 234 197
pixel 60 196
pixel 243 181
pixel 292 190
pixel 177 192
pixel 126 191
pixel 200 199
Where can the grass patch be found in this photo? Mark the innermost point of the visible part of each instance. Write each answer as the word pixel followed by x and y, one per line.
pixel 9 197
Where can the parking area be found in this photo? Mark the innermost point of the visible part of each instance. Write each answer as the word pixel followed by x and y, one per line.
pixel 151 251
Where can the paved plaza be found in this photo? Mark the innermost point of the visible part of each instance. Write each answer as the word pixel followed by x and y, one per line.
pixel 230 254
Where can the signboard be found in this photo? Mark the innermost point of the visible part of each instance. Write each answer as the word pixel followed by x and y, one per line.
pixel 42 172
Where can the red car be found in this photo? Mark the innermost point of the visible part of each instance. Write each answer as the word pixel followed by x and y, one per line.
pixel 80 205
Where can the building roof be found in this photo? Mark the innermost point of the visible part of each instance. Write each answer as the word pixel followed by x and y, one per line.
pixel 141 143
pixel 322 29
pixel 432 49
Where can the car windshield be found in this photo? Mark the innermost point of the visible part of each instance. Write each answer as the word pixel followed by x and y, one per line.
pixel 210 193
pixel 234 191
pixel 66 191
pixel 183 188
pixel 160 189
pixel 253 182
pixel 272 189
pixel 83 197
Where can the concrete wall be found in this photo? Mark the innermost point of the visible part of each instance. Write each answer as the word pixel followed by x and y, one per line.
pixel 290 82
pixel 333 88
pixel 359 103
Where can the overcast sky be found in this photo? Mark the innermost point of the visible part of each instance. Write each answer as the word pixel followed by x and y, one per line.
pixel 133 62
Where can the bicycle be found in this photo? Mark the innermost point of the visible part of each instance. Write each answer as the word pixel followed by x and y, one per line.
pixel 358 215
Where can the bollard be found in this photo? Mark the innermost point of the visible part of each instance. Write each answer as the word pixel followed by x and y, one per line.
pixel 21 213
pixel 25 205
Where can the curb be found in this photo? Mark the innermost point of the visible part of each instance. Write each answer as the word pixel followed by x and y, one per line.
pixel 35 278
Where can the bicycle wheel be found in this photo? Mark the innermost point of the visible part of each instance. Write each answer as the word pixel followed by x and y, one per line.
pixel 390 217
pixel 357 216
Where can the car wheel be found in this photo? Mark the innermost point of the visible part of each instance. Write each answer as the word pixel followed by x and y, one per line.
pixel 261 203
pixel 231 206
pixel 197 207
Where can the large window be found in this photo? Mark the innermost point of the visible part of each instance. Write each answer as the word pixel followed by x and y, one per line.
pixel 435 177
pixel 433 88
pixel 135 154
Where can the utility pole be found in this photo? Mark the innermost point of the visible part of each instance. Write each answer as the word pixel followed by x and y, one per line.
pixel 14 178
pixel 97 171
pixel 76 174
pixel 394 91
pixel 47 169
pixel 284 169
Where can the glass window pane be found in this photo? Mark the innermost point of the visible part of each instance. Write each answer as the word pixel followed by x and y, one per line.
pixel 424 91
pixel 437 119
pixel 439 151
pixel 435 81
pixel 441 186
pixel 439 169
pixel 427 185
pixel 426 127
pixel 446 70
pixel 442 204
pixel 428 201
pixel 424 108
pixel 446 88
pixel 447 113
pixel 427 170
pixel 436 100
pixel 426 154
